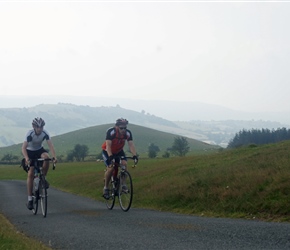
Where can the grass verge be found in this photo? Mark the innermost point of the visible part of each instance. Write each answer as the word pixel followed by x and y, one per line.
pixel 10 238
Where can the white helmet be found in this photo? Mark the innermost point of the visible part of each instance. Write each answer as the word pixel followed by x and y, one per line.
pixel 38 122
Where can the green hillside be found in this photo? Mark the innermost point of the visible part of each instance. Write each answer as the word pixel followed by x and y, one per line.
pixel 94 136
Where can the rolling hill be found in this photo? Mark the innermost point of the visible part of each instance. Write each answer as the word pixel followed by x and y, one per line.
pixel 94 136
pixel 62 118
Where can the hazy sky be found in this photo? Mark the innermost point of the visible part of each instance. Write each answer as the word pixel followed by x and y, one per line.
pixel 234 54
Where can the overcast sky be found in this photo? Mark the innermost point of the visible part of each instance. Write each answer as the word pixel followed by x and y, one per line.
pixel 234 54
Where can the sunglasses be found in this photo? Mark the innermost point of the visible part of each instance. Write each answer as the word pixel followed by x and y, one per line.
pixel 122 128
pixel 38 127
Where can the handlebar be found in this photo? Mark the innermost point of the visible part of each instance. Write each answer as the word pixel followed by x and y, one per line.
pixel 127 157
pixel 135 164
pixel 42 160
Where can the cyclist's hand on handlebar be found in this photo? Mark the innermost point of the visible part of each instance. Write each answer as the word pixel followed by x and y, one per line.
pixel 54 161
pixel 135 158
pixel 27 161
pixel 110 159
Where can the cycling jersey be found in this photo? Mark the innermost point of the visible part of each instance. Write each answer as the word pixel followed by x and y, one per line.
pixel 35 141
pixel 118 140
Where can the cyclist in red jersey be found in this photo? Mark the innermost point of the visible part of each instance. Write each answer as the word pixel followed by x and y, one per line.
pixel 116 138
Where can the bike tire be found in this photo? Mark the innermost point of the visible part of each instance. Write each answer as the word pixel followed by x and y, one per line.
pixel 35 197
pixel 111 201
pixel 43 196
pixel 125 198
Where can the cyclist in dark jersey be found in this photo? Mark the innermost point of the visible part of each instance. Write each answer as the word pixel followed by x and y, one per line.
pixel 32 148
pixel 116 138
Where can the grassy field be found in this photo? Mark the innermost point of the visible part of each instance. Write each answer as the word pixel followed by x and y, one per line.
pixel 250 182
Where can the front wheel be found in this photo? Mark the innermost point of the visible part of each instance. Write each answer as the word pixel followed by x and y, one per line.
pixel 111 201
pixel 35 197
pixel 43 196
pixel 125 192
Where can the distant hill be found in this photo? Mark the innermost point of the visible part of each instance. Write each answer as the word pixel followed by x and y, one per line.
pixel 63 118
pixel 94 136
pixel 170 110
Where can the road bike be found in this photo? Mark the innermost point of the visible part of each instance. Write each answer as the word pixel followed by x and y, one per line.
pixel 40 186
pixel 120 185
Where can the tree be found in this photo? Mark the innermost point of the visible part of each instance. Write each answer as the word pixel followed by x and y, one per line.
pixel 180 146
pixel 9 158
pixel 70 156
pixel 79 153
pixel 259 137
pixel 153 150
pixel 166 155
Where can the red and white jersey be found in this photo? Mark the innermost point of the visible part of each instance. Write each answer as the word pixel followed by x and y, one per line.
pixel 118 140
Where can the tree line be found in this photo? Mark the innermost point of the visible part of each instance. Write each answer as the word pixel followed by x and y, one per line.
pixel 80 152
pixel 259 137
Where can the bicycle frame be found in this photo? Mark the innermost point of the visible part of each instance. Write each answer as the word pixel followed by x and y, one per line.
pixel 39 185
pixel 120 185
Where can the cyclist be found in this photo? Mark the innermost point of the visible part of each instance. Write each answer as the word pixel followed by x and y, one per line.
pixel 32 148
pixel 116 138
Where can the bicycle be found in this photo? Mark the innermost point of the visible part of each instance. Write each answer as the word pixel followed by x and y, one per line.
pixel 39 186
pixel 121 185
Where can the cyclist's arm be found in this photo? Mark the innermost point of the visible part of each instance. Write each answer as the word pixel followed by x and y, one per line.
pixel 132 147
pixel 24 151
pixel 109 147
pixel 51 148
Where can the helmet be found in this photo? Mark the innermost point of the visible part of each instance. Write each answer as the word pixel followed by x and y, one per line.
pixel 121 121
pixel 38 122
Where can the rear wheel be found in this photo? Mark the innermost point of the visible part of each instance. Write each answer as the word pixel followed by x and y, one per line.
pixel 125 191
pixel 111 201
pixel 43 196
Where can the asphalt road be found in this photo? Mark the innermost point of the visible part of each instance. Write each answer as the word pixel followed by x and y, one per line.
pixel 75 222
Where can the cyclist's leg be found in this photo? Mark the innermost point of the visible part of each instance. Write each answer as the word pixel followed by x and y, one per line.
pixel 44 154
pixel 30 176
pixel 108 173
pixel 29 181
pixel 124 164
pixel 122 156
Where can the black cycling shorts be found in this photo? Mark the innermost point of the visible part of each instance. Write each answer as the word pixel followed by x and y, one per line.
pixel 105 156
pixel 35 154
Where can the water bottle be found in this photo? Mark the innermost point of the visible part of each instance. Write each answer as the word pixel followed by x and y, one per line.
pixel 36 182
